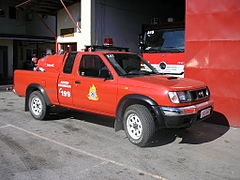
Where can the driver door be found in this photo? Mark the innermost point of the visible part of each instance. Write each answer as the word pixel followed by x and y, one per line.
pixel 93 90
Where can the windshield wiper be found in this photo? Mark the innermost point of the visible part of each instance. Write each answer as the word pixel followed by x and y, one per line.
pixel 148 73
pixel 141 73
pixel 171 48
pixel 132 74
pixel 164 50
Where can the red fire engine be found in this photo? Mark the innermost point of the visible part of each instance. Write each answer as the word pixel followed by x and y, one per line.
pixel 163 47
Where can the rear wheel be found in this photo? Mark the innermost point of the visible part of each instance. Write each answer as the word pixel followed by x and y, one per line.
pixel 139 124
pixel 37 106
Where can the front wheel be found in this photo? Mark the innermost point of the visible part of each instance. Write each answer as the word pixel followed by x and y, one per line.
pixel 139 124
pixel 37 106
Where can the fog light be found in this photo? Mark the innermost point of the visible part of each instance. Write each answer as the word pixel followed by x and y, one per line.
pixel 189 111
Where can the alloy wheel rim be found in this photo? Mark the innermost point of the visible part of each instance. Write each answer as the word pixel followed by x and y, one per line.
pixel 134 126
pixel 36 105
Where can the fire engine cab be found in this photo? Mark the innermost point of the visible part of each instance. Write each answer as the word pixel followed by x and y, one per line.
pixel 162 45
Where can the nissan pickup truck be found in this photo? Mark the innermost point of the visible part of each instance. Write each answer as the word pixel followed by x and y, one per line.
pixel 117 84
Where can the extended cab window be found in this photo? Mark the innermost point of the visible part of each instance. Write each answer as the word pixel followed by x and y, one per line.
pixel 69 63
pixel 92 66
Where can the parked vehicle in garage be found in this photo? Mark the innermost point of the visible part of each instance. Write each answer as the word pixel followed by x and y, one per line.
pixel 117 84
pixel 163 46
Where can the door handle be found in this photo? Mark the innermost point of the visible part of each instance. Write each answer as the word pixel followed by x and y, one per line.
pixel 77 82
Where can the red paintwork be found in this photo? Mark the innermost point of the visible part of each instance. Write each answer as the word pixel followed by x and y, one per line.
pixel 109 92
pixel 213 51
pixel 169 58
pixel 50 64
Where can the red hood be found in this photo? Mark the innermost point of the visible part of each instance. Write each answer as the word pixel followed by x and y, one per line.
pixel 165 82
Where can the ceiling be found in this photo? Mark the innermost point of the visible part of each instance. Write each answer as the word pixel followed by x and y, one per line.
pixel 47 7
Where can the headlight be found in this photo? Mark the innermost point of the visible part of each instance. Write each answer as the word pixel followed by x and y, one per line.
pixel 207 91
pixel 180 97
pixel 173 97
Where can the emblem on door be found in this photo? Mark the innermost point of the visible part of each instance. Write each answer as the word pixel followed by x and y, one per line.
pixel 92 95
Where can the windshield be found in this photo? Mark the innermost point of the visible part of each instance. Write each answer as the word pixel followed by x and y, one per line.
pixel 130 65
pixel 164 40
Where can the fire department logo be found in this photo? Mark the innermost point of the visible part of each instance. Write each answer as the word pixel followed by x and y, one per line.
pixel 92 95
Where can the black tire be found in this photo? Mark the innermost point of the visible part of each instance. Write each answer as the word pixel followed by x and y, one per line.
pixel 37 106
pixel 138 124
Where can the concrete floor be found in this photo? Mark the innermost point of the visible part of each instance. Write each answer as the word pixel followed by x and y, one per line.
pixel 77 145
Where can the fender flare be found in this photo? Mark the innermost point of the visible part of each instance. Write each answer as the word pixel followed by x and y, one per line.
pixel 136 99
pixel 36 87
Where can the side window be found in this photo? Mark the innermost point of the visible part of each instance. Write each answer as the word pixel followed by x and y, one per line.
pixel 92 66
pixel 69 63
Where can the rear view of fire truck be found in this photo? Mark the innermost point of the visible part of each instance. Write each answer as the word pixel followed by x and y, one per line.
pixel 162 45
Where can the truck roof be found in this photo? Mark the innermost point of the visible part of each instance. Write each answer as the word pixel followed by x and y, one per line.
pixel 104 52
pixel 94 48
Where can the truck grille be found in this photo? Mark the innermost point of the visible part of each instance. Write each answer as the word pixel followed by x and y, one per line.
pixel 199 94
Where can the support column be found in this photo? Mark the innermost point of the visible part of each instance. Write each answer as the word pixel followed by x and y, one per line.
pixel 87 24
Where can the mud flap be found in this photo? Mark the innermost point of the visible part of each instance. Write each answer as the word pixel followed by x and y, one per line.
pixel 118 125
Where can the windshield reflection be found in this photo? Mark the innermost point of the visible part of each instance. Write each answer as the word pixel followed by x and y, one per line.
pixel 130 65
pixel 164 40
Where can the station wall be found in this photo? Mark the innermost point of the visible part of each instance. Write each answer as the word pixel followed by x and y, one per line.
pixel 212 53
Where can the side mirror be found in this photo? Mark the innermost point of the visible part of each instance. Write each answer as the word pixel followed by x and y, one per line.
pixel 106 74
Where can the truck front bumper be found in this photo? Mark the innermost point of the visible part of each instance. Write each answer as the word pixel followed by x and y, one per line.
pixel 180 117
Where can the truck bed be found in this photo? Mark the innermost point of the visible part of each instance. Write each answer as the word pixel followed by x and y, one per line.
pixel 48 80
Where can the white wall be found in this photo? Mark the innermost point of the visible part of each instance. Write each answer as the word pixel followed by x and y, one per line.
pixel 88 23
pixel 64 21
pixel 84 13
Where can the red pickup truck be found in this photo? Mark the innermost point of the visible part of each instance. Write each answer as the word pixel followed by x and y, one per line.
pixel 117 84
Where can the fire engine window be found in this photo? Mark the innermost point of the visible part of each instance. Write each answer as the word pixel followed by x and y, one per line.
pixel 165 40
pixel 92 66
pixel 69 63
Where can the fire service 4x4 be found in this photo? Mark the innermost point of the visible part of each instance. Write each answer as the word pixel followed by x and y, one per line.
pixel 118 84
